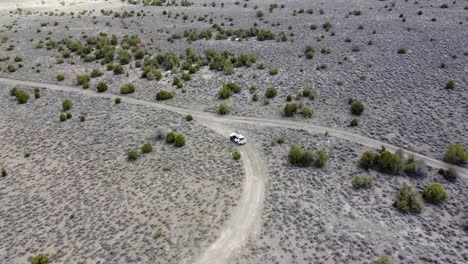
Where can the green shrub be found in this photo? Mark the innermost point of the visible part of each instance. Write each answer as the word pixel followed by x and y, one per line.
pixel 307 112
pixel 290 109
pixel 132 155
pixel 170 137
pixel 146 148
pixel 385 259
pixel 390 163
pixel 223 108
pixel 465 222
pixel 362 182
pixel 357 107
pixel 408 201
pixel 236 155
pixel 450 85
pixel 368 159
pixel 186 76
pixel 96 73
pixel 4 172
pixel 82 118
pixel 274 71
pixel 157 234
pixel 63 117
pixel 435 193
pixel 456 154
pixel 402 50
pixel 189 118
pixel 69 115
pixel 67 105
pixel 60 77
pixel 179 140
pixel 82 79
pixel 321 158
pixel 11 68
pixel 450 174
pixel 271 92
pixel 37 93
pixel 21 96
pixel 299 157
pixel 309 52
pixel 354 122
pixel 255 97
pixel 225 92
pixel 18 59
pixel 164 95
pixel 40 259
pixel 416 168
pixel 117 69
pixel 117 100
pixel 13 91
pixel 280 140
pixel 234 87
pixel 127 88
pixel 101 87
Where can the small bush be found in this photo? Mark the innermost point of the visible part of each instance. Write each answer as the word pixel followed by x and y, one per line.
pixel 101 87
pixel 435 193
pixel 157 234
pixel 299 157
pixel 225 92
pixel 290 109
pixel 390 163
pixel 189 118
pixel 18 59
pixel 321 158
pixel 354 122
pixel 280 140
pixel 385 259
pixel 368 159
pixel 11 68
pixel 13 91
pixel 132 155
pixel 170 137
pixel 179 140
pixel 223 108
pixel 164 95
pixel 69 115
pixel 450 85
pixel 63 117
pixel 362 182
pixel 271 92
pixel 450 174
pixel 408 201
pixel 236 155
pixel 40 259
pixel 37 93
pixel 307 112
pixel 357 107
pixel 21 96
pixel 67 105
pixel 146 148
pixel 456 154
pixel 82 79
pixel 82 118
pixel 4 172
pixel 402 50
pixel 117 69
pixel 127 88
pixel 117 100
pixel 60 77
pixel 274 71
pixel 96 73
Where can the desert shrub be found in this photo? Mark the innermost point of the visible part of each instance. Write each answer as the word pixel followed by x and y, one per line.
pixel 225 92
pixel 117 100
pixel 385 259
pixel 280 140
pixel 390 163
pixel 118 69
pixel 4 172
pixel 82 79
pixel 236 155
pixel 450 85
pixel 357 107
pixel 309 52
pixel 127 88
pixel 170 137
pixel 299 157
pixel 274 71
pixel 18 59
pixel 307 112
pixel 40 259
pixel 368 159
pixel 96 73
pixel 416 168
pixel 21 96
pixel 164 95
pixel 321 158
pixel 101 87
pixel 402 50
pixel 450 174
pixel 60 77
pixel 265 34
pixel 146 148
pixel 327 25
pixel 456 154
pixel 434 193
pixel 82 118
pixel 271 92
pixel 223 108
pixel 63 117
pixel 186 76
pixel 157 234
pixel 11 68
pixel 69 115
pixel 408 201
pixel 313 26
pixel 362 182
pixel 13 91
pixel 234 87
pixel 179 140
pixel 465 222
pixel 132 155
pixel 255 97
pixel 290 109
pixel 354 122
pixel 444 5
pixel 189 118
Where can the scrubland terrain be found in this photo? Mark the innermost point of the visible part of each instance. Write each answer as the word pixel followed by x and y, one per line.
pixel 313 85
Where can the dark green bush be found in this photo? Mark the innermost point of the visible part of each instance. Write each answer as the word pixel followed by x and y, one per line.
pixel 223 108
pixel 368 159
pixel 37 93
pixel 307 112
pixel 11 68
pixel 274 71
pixel 390 163
pixel 354 122
pixel 118 69
pixel 189 118
pixel 290 109
pixel 82 79
pixel 146 148
pixel 21 96
pixel 271 92
pixel 101 87
pixel 362 182
pixel 236 155
pixel 408 201
pixel 96 73
pixel 4 172
pixel 435 193
pixel 69 115
pixel 40 259
pixel 321 158
pixel 280 140
pixel 309 52
pixel 299 157
pixel 82 118
pixel 127 88
pixel 450 85
pixel 60 77
pixel 164 95
pixel 132 155
pixel 225 92
pixel 456 154
pixel 13 91
pixel 67 105
pixel 18 59
pixel 402 50
pixel 118 100
pixel 179 140
pixel 63 117
pixel 170 137
pixel 357 107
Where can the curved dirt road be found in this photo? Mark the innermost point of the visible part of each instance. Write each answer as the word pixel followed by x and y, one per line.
pixel 244 220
